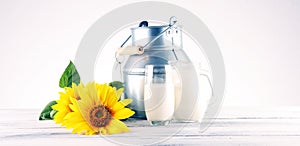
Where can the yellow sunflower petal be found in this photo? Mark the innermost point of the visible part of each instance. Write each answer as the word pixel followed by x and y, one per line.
pixel 86 100
pixel 112 97
pixel 123 113
pixel 73 118
pixel 62 106
pixel 83 128
pixel 72 107
pixel 103 95
pixel 103 131
pixel 119 93
pixel 92 92
pixel 118 106
pixel 125 102
pixel 121 104
pixel 83 93
pixel 92 109
pixel 115 127
pixel 75 121
pixel 99 91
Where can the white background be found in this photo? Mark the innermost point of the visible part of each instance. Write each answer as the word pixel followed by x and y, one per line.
pixel 259 40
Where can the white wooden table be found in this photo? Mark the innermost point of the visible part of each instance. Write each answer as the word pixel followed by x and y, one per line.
pixel 234 126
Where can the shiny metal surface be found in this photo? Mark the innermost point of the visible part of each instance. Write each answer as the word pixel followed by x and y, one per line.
pixel 160 52
pixel 170 38
pixel 134 88
pixel 134 76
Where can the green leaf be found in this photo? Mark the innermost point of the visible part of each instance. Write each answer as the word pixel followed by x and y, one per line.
pixel 69 76
pixel 116 84
pixel 48 113
pixel 52 114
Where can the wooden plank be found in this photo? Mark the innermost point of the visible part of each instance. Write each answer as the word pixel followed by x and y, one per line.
pixel 21 127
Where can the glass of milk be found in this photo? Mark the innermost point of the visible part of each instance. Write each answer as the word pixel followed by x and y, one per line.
pixel 159 98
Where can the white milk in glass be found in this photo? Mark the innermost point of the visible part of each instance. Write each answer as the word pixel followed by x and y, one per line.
pixel 159 98
pixel 187 103
pixel 159 102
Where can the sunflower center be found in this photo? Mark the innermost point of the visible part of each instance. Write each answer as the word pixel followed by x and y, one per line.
pixel 99 116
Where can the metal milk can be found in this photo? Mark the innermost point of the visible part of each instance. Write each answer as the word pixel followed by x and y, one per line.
pixel 157 45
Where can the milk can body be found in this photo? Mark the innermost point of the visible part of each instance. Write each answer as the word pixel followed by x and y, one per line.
pixel 167 49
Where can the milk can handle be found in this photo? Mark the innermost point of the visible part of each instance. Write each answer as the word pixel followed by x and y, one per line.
pixel 130 50
pixel 142 24
pixel 172 22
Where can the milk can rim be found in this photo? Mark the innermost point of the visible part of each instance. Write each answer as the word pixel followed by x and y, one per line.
pixel 155 27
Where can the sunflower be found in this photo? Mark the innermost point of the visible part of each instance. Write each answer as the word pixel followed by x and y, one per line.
pixel 62 106
pixel 98 110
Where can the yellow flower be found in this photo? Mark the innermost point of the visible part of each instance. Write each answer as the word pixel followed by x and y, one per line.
pixel 98 110
pixel 62 106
